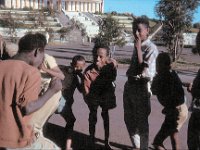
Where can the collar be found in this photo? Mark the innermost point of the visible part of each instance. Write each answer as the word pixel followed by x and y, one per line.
pixel 146 42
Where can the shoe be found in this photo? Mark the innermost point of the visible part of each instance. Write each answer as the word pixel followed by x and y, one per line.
pixel 158 147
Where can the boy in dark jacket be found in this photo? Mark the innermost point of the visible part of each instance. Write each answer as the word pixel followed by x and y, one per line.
pixel 168 88
pixel 99 89
pixel 73 79
pixel 193 137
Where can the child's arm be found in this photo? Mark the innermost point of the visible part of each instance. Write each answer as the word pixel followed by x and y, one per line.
pixel 33 106
pixel 138 46
pixel 80 86
pixel 54 72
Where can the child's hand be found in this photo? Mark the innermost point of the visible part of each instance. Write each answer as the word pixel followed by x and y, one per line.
pixel 111 60
pixel 138 41
pixel 42 67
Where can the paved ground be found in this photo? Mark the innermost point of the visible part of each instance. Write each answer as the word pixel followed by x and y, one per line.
pixel 118 133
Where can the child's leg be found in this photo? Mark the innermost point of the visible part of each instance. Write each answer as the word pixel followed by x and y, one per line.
pixel 92 120
pixel 162 134
pixel 68 144
pixel 105 116
pixel 70 120
pixel 175 141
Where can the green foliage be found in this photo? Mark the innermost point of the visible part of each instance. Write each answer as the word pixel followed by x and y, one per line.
pixel 177 18
pixel 111 32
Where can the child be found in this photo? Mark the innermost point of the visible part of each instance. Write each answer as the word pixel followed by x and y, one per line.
pixel 49 69
pixel 137 92
pixel 193 139
pixel 168 88
pixel 73 79
pixel 19 95
pixel 99 90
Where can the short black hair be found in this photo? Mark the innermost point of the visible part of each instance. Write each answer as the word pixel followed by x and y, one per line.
pixel 140 20
pixel 100 45
pixel 31 41
pixel 164 61
pixel 77 58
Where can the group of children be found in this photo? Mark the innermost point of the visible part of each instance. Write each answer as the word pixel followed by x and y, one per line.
pixel 24 108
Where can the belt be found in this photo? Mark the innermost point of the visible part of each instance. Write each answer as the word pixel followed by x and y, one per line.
pixel 140 80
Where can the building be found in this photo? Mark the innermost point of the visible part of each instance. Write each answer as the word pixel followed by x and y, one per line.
pixel 189 39
pixel 68 5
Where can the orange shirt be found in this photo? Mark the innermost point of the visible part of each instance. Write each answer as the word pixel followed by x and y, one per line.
pixel 20 84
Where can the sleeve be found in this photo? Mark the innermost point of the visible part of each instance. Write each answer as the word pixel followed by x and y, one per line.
pixel 50 61
pixel 150 62
pixel 109 73
pixel 31 88
pixel 178 91
pixel 155 86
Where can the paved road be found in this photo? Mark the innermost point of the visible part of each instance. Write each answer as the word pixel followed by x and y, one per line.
pixel 118 134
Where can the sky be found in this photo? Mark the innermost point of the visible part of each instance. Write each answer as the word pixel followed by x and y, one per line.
pixel 138 8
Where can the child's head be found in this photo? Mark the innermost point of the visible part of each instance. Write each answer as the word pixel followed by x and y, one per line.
pixel 163 62
pixel 78 62
pixel 140 26
pixel 101 55
pixel 33 46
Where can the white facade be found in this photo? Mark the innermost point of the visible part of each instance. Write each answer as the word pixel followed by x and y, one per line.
pixel 189 39
pixel 69 5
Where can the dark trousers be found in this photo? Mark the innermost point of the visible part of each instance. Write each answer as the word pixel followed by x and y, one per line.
pixel 193 137
pixel 70 119
pixel 168 127
pixel 136 101
pixel 93 121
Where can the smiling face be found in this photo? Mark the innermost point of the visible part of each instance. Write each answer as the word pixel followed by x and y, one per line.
pixel 80 64
pixel 101 57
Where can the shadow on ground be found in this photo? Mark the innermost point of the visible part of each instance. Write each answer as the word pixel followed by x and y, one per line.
pixel 80 141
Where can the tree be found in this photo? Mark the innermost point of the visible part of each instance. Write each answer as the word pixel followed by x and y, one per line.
pixel 110 33
pixel 177 18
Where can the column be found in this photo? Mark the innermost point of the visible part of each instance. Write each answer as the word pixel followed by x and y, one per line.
pixel 69 6
pixel 8 4
pixel 97 7
pixel 93 7
pixel 27 3
pixel 73 6
pixel 76 6
pixel 89 7
pixel 85 7
pixel 17 4
pixel 102 6
pixel 82 9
